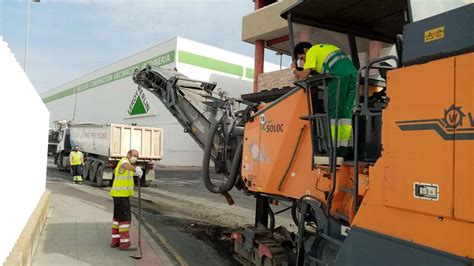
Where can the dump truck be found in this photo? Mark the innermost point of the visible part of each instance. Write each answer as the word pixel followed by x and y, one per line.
pixel 402 195
pixel 103 145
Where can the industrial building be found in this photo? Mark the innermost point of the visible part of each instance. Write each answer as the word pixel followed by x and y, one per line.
pixel 109 95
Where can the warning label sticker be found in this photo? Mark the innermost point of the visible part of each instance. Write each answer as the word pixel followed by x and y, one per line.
pixel 434 34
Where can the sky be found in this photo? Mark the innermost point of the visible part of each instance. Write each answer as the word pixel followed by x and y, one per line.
pixel 70 38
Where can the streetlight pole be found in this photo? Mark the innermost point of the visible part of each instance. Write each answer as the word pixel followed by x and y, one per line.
pixel 28 32
pixel 281 58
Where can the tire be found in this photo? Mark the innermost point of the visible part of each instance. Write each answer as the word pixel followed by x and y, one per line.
pixel 65 166
pixel 99 176
pixel 144 182
pixel 93 170
pixel 59 162
pixel 86 170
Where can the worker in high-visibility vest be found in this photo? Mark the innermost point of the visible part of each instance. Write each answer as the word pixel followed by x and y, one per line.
pixel 327 58
pixel 121 191
pixel 76 159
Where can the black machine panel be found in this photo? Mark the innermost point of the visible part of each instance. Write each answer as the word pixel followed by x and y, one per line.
pixel 364 247
pixel 447 34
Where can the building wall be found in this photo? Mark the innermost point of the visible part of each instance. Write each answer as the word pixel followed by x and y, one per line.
pixel 24 146
pixel 111 102
pixel 231 71
pixel 108 95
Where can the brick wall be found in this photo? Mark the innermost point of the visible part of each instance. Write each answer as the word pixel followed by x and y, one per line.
pixel 275 80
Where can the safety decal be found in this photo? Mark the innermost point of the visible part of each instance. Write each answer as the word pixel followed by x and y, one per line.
pixel 434 34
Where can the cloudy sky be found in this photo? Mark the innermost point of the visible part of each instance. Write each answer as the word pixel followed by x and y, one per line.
pixel 70 38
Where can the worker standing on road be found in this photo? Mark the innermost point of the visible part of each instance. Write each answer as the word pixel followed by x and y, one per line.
pixel 76 159
pixel 122 190
pixel 327 58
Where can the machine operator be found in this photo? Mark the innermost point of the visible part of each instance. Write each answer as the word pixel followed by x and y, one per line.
pixel 327 58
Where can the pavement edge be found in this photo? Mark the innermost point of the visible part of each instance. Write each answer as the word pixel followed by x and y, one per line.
pixel 24 249
pixel 166 250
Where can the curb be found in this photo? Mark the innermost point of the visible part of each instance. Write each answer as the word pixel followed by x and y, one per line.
pixel 167 250
pixel 24 249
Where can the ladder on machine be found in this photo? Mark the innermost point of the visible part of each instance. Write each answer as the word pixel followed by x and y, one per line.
pixel 320 124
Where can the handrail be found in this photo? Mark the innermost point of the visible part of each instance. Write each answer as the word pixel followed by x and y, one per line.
pixel 364 110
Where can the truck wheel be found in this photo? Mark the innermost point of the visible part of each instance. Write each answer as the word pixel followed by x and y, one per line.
pixel 144 182
pixel 87 169
pixel 93 171
pixel 65 163
pixel 99 176
pixel 59 162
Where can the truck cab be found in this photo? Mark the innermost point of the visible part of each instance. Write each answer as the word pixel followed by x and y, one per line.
pixel 63 146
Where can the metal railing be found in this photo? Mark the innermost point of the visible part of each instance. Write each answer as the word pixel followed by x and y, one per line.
pixel 363 109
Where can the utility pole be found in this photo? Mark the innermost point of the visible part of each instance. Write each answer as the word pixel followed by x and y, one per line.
pixel 25 61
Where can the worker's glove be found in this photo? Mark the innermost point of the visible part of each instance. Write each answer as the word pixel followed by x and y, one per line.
pixel 138 171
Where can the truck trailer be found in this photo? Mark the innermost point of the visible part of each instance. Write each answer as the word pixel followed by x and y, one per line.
pixel 103 145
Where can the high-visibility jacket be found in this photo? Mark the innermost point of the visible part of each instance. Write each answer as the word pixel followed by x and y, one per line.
pixel 318 57
pixel 327 58
pixel 75 158
pixel 123 181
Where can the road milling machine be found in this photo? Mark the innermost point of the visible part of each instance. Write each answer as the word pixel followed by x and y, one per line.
pixel 403 195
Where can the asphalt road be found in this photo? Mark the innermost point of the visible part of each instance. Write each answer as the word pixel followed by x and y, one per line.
pixel 188 181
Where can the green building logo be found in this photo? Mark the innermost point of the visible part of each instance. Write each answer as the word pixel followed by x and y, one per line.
pixel 139 104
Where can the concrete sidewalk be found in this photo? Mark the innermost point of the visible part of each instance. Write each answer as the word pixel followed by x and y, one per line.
pixel 78 231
